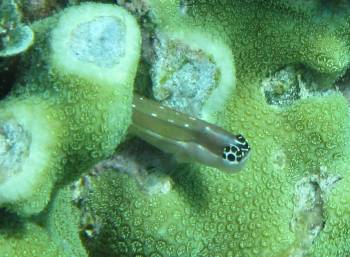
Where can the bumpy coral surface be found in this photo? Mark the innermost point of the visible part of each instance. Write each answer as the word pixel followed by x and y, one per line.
pixel 71 104
pixel 54 233
pixel 20 238
pixel 290 199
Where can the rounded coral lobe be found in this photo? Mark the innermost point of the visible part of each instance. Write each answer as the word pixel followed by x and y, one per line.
pixel 184 77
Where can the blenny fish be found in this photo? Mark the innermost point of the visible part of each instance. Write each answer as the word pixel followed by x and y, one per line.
pixel 189 139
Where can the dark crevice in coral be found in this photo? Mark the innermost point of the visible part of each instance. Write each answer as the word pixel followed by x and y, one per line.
pixel 11 224
pixel 143 162
pixel 140 10
pixel 8 71
pixel 35 10
pixel 189 183
pixel 282 88
pixel 293 82
pixel 335 7
pixel 316 81
pixel 343 85
pixel 156 172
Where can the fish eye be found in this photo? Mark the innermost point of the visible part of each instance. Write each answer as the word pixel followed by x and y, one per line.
pixel 237 151
pixel 240 138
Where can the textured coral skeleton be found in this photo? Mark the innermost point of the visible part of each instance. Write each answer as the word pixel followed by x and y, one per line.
pixel 276 65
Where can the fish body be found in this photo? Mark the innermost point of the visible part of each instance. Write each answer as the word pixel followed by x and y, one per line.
pixel 187 138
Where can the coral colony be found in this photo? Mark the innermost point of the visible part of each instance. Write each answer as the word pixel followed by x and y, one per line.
pixel 74 181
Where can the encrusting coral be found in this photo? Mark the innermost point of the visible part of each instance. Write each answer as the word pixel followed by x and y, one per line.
pixel 25 238
pixel 72 105
pixel 15 37
pixel 54 233
pixel 288 200
pixel 291 198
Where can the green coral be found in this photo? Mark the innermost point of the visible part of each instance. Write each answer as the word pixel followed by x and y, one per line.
pixel 62 223
pixel 54 233
pixel 334 239
pixel 15 37
pixel 21 238
pixel 290 199
pixel 273 35
pixel 71 106
pixel 206 213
